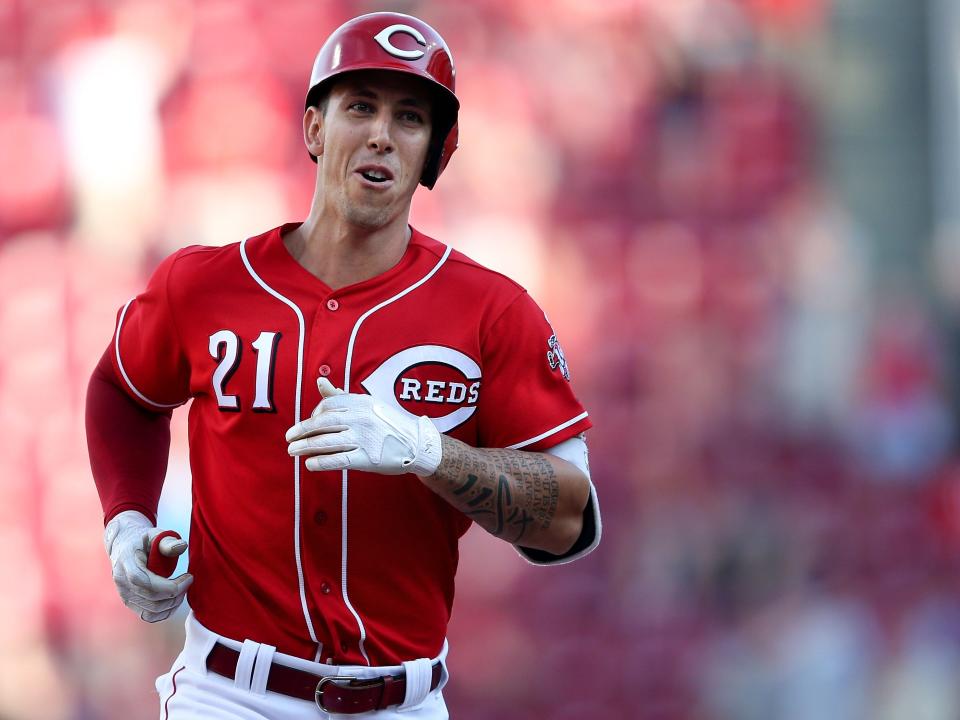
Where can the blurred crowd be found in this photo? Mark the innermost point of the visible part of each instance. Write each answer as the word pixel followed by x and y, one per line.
pixel 774 446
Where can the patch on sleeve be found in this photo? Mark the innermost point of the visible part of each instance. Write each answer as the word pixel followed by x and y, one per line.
pixel 556 358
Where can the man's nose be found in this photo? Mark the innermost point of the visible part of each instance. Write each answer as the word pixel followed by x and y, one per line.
pixel 380 134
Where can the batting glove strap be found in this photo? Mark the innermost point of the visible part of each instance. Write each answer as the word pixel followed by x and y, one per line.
pixel 124 529
pixel 429 448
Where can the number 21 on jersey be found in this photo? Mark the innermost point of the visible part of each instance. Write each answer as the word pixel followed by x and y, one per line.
pixel 226 348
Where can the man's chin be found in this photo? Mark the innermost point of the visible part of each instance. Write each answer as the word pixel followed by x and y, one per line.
pixel 369 216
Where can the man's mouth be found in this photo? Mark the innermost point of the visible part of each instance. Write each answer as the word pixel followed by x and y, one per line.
pixel 375 174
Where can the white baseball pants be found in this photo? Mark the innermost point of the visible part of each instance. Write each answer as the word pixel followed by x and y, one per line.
pixel 190 692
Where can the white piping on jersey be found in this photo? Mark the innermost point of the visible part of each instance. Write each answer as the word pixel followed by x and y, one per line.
pixel 346 388
pixel 371 311
pixel 126 378
pixel 548 433
pixel 296 461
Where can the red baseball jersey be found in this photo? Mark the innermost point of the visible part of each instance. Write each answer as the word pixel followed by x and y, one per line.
pixel 350 567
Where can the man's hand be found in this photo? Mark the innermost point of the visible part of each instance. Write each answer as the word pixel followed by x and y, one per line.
pixel 348 430
pixel 127 539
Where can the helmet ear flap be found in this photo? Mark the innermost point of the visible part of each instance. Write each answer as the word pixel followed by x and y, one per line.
pixel 442 145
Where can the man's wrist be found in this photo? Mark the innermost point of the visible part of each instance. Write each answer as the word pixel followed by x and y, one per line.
pixel 122 522
pixel 429 448
pixel 150 515
pixel 131 518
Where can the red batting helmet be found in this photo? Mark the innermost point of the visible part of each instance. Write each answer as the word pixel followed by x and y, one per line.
pixel 393 41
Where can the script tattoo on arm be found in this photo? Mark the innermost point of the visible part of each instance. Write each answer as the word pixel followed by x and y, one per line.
pixel 510 493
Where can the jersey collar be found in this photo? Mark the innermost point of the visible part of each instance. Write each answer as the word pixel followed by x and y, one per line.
pixel 273 262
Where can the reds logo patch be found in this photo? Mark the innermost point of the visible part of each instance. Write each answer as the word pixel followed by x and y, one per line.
pixel 556 358
pixel 432 380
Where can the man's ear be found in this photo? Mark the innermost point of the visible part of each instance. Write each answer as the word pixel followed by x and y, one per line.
pixel 313 130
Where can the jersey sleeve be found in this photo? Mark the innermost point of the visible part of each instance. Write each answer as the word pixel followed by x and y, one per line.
pixel 526 400
pixel 148 355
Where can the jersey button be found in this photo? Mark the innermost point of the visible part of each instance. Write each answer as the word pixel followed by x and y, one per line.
pixel 325 588
pixel 344 647
pixel 324 370
pixel 332 305
pixel 319 517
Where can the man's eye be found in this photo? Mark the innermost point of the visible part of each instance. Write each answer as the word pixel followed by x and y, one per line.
pixel 413 117
pixel 360 107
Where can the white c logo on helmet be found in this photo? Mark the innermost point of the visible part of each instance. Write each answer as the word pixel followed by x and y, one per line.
pixel 383 39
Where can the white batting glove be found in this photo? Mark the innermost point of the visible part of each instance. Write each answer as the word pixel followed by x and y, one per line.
pixel 349 430
pixel 127 539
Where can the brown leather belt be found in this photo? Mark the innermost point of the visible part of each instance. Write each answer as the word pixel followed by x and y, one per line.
pixel 333 694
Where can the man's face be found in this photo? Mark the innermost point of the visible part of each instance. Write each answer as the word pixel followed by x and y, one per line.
pixel 374 136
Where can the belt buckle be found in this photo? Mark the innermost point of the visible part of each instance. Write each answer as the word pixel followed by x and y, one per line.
pixel 318 693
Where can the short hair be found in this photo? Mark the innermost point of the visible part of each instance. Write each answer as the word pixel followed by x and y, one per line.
pixel 322 103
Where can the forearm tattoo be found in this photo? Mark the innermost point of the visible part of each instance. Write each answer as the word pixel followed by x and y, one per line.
pixel 507 492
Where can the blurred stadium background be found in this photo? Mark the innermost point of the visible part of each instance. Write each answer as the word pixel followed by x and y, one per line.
pixel 743 217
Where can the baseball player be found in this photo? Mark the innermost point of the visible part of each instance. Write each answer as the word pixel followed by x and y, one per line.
pixel 361 394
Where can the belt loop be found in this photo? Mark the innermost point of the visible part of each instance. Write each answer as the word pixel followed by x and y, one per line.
pixel 199 642
pixel 248 655
pixel 419 674
pixel 261 669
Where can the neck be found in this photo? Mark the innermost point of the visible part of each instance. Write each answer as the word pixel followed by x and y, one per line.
pixel 340 254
